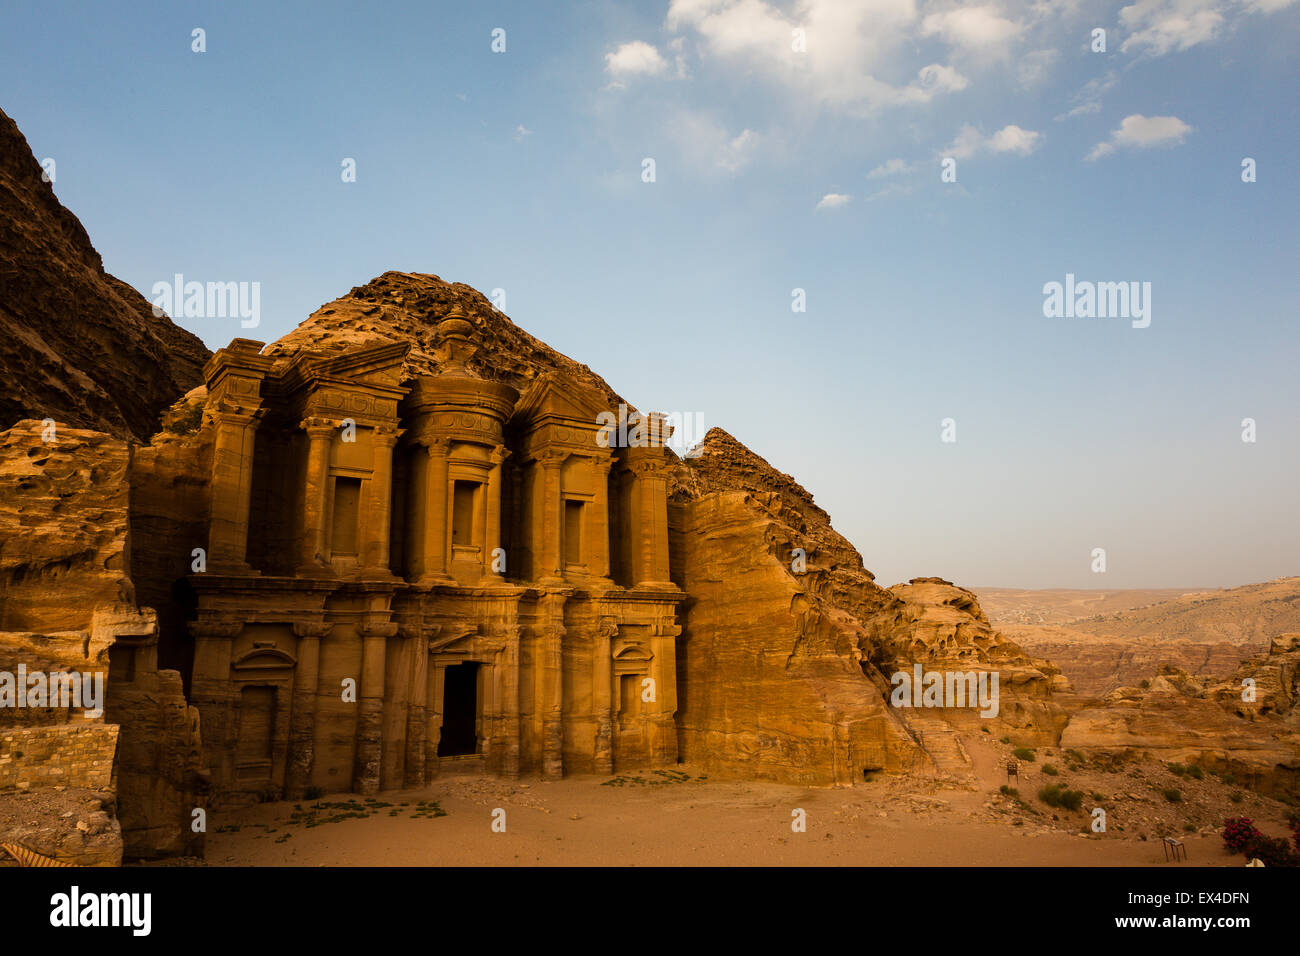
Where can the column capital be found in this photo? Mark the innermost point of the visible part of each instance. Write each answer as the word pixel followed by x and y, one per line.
pixel 386 436
pixel 225 412
pixel 384 630
pixel 499 454
pixel 219 630
pixel 437 447
pixel 317 427
pixel 312 629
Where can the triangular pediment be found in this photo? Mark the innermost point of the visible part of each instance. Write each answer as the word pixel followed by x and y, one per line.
pixel 551 399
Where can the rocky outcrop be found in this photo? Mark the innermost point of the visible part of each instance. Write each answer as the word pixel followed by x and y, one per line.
pixel 67 605
pixel 789 645
pixel 1247 725
pixel 64 497
pixel 76 344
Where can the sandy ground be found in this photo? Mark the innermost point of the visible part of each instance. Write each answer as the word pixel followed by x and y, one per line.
pixel 683 818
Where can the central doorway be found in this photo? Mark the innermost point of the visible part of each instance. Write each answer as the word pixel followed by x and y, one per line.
pixel 459 711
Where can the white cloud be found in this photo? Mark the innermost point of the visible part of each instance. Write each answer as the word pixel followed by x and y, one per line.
pixel 634 59
pixel 978 29
pixel 521 131
pixel 1143 132
pixel 850 46
pixel 1013 139
pixel 833 201
pixel 708 146
pixel 1009 139
pixel 1088 99
pixel 1165 26
pixel 891 167
pixel 1032 68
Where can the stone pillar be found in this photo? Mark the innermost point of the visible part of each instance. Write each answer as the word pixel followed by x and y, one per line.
pixel 436 499
pixel 232 484
pixel 212 692
pixel 552 700
pixel 650 522
pixel 320 436
pixel 379 520
pixel 552 567
pixel 599 524
pixel 370 716
pixel 434 734
pixel 663 728
pixel 302 719
pixel 417 714
pixel 508 707
pixel 603 694
pixel 492 525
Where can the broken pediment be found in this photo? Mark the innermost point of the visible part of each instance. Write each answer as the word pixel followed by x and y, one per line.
pixel 551 401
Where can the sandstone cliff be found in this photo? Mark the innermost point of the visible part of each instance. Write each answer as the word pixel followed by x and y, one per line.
pixel 76 344
pixel 1246 724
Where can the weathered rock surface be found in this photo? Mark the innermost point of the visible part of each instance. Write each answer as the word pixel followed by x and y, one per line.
pixel 1218 723
pixel 71 825
pixel 790 644
pixel 76 344
pixel 63 526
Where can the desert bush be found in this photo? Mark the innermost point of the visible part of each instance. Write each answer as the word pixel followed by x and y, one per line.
pixel 1195 772
pixel 1050 770
pixel 1271 851
pixel 1024 753
pixel 1235 796
pixel 1176 769
pixel 1057 796
pixel 1237 832
pixel 1009 791
pixel 1173 794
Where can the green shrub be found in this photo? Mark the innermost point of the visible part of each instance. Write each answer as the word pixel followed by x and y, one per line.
pixel 1057 796
pixel 1173 794
pixel 1235 796
pixel 1195 772
pixel 1024 753
pixel 1050 770
pixel 1009 791
pixel 1177 769
pixel 1004 740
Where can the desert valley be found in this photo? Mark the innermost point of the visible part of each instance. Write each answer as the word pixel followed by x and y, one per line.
pixel 378 592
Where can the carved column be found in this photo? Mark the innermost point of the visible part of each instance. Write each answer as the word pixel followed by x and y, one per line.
pixel 552 566
pixel 492 537
pixel 436 495
pixel 232 484
pixel 663 668
pixel 650 522
pixel 381 489
pixel 599 533
pixel 603 694
pixel 434 734
pixel 370 716
pixel 552 700
pixel 212 692
pixel 320 436
pixel 302 719
pixel 417 715
pixel 509 703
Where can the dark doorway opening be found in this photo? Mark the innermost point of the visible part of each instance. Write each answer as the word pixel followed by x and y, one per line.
pixel 459 711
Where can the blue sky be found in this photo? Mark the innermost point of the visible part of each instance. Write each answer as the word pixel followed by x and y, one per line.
pixel 775 168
